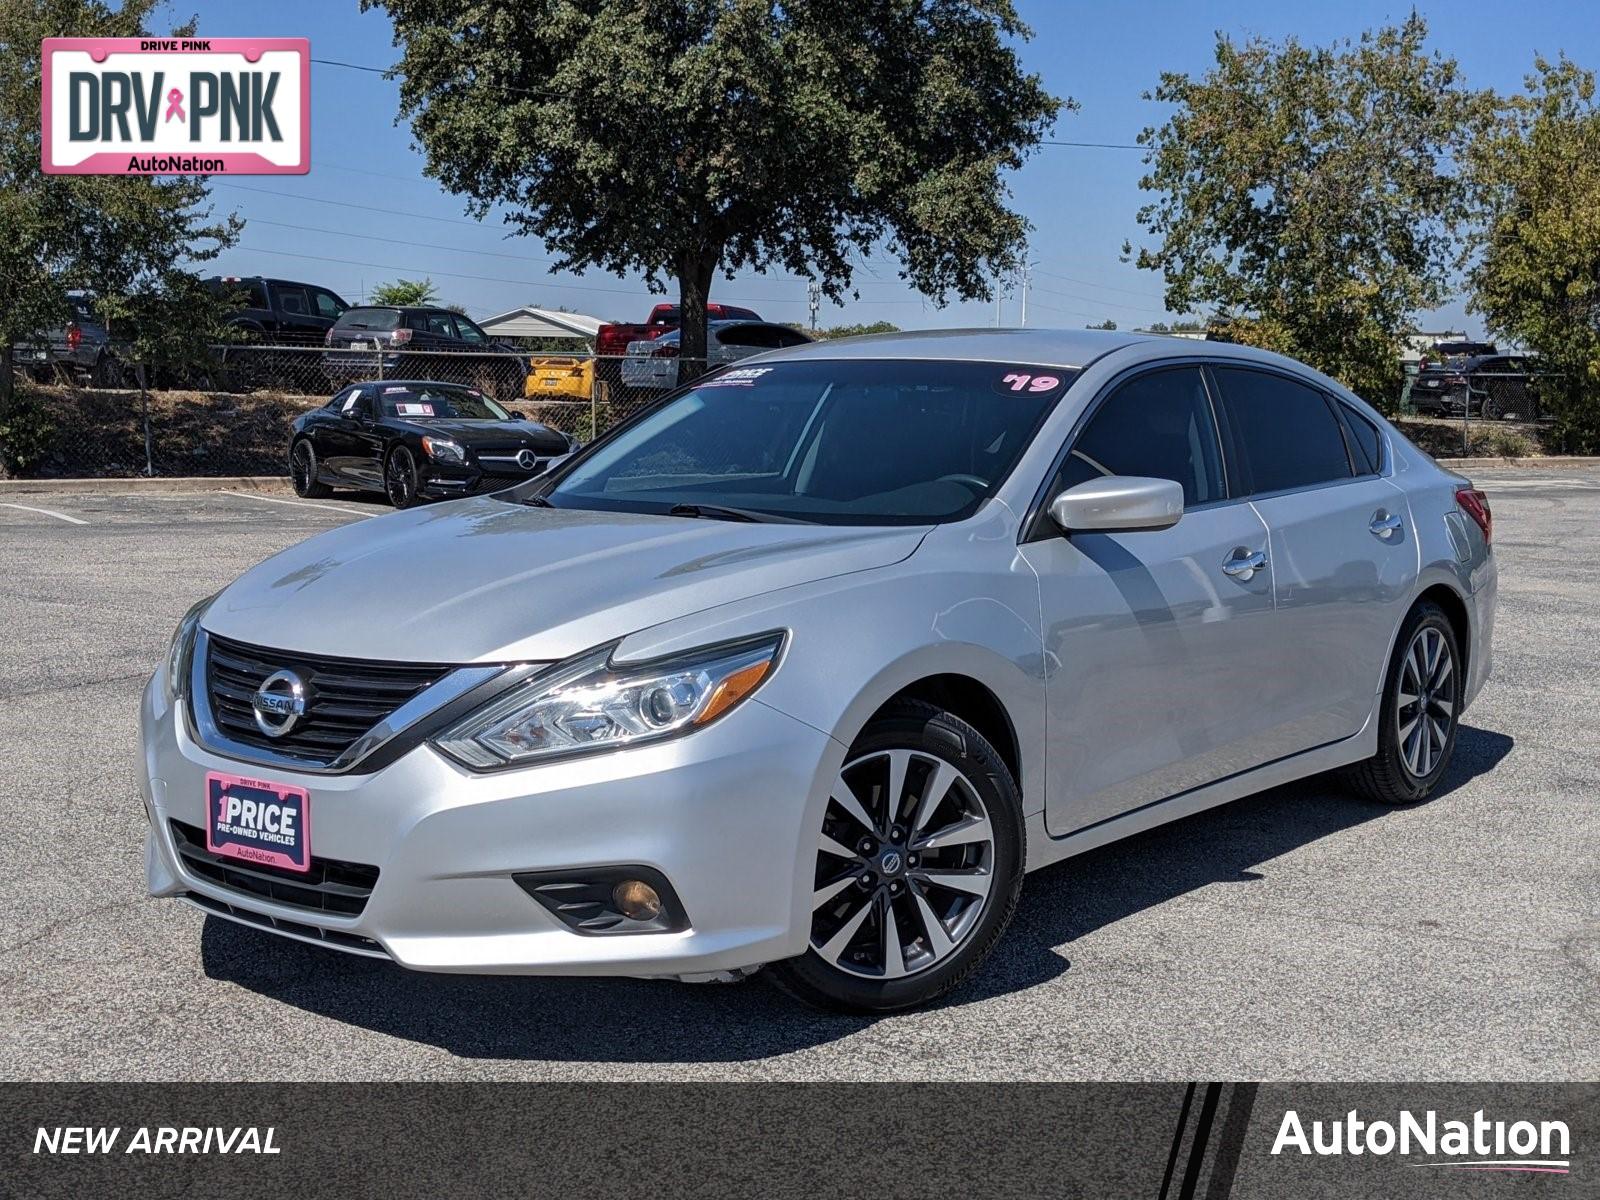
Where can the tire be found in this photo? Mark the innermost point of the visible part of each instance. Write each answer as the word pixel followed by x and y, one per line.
pixel 850 966
pixel 400 478
pixel 303 472
pixel 1406 769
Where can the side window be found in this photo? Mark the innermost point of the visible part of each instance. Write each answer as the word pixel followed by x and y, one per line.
pixel 327 303
pixel 469 332
pixel 1285 430
pixel 293 300
pixel 336 403
pixel 1365 439
pixel 441 324
pixel 1159 425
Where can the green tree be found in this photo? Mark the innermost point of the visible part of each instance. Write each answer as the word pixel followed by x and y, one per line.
pixel 1108 323
pixel 404 293
pixel 844 331
pixel 1310 196
pixel 1536 279
pixel 110 235
pixel 680 138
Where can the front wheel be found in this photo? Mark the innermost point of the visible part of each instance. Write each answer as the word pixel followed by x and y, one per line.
pixel 918 867
pixel 400 478
pixel 303 472
pixel 1421 708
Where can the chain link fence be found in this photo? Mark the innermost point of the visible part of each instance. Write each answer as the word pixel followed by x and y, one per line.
pixel 232 415
pixel 1490 407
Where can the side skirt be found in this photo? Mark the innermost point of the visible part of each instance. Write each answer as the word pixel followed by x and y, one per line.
pixel 1044 849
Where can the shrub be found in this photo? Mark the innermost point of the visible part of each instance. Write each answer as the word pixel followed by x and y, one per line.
pixel 27 432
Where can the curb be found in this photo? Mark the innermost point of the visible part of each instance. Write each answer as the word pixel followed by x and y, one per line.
pixel 1537 461
pixel 139 485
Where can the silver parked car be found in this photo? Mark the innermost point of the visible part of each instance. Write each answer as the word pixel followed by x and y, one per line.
pixel 811 662
pixel 654 364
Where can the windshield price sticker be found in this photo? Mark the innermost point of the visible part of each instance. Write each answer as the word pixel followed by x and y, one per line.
pixel 738 377
pixel 1025 381
pixel 414 410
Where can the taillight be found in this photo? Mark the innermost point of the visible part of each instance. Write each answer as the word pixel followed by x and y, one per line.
pixel 400 337
pixel 1476 505
pixel 74 337
pixel 327 338
pixel 609 339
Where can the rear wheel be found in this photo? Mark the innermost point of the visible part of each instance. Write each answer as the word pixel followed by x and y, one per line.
pixel 1421 709
pixel 918 867
pixel 303 470
pixel 400 478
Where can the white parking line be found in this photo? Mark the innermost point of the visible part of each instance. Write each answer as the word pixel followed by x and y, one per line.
pixel 49 512
pixel 349 512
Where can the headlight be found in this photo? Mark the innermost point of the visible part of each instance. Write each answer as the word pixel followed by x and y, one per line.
pixel 181 652
pixel 444 450
pixel 590 704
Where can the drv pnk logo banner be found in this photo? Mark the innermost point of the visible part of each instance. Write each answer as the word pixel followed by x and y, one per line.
pixel 176 106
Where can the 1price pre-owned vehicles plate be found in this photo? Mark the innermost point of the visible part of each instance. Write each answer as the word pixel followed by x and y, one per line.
pixel 809 663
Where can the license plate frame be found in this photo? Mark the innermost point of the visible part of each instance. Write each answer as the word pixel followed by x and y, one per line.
pixel 254 829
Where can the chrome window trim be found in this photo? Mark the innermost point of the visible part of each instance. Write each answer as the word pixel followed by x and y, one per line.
pixel 446 690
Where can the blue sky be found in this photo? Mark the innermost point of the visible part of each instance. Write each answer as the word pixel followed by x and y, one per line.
pixel 366 180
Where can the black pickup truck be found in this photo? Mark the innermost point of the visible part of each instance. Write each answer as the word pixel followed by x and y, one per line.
pixel 279 312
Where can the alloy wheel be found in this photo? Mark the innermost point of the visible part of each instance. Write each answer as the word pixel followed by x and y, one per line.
pixel 1425 702
pixel 399 481
pixel 300 468
pixel 905 865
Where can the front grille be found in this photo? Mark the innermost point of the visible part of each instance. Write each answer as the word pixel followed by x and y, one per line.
pixel 347 696
pixel 331 886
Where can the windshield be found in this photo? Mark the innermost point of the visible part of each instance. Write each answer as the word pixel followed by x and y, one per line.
pixel 839 443
pixel 431 402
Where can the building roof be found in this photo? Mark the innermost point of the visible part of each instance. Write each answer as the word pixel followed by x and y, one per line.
pixel 528 322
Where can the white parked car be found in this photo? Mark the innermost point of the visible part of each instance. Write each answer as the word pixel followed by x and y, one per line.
pixel 654 364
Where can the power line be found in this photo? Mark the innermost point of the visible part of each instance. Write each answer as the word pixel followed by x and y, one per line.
pixel 569 287
pixel 390 239
pixel 394 212
pixel 1105 287
pixel 1093 145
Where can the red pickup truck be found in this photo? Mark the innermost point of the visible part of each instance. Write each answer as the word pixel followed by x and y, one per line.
pixel 614 339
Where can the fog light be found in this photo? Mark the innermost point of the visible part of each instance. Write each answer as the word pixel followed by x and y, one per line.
pixel 636 900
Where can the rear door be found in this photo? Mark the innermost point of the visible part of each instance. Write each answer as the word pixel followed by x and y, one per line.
pixel 1342 548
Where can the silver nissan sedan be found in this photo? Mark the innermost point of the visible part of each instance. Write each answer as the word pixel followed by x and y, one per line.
pixel 810 662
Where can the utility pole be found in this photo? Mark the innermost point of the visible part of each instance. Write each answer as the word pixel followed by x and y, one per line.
pixel 814 299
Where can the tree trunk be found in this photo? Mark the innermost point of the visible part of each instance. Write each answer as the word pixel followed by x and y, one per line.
pixel 7 373
pixel 694 290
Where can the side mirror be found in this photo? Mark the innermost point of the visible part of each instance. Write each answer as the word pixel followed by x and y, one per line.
pixel 1118 504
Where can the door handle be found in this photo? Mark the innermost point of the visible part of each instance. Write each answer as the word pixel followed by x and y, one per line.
pixel 1243 563
pixel 1384 523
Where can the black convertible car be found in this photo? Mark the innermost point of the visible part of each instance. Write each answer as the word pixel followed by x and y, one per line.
pixel 412 440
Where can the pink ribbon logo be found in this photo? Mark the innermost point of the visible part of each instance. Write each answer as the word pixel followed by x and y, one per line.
pixel 175 105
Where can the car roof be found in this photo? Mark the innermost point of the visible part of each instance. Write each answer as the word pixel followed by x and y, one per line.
pixel 1045 347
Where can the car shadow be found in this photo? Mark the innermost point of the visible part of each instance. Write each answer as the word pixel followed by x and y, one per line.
pixel 628 1020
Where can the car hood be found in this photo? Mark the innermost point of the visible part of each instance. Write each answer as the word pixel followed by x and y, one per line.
pixel 483 580
pixel 493 435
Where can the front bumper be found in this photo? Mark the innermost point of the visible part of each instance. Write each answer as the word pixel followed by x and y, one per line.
pixel 726 814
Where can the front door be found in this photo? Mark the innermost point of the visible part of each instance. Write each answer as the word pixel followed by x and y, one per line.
pixel 1158 676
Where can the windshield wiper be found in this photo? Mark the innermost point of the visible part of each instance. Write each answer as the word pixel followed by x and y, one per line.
pixel 537 502
pixel 721 512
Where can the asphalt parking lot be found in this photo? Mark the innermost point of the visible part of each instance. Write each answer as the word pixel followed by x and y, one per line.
pixel 1299 934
